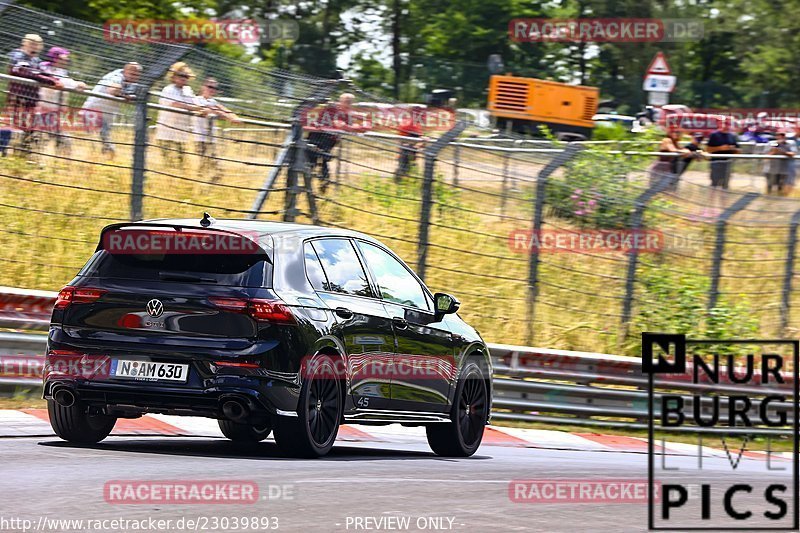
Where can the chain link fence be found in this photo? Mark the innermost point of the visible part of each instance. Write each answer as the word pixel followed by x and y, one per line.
pixel 460 205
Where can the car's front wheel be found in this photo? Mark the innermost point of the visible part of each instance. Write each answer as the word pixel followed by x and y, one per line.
pixel 74 424
pixel 245 433
pixel 462 436
pixel 313 431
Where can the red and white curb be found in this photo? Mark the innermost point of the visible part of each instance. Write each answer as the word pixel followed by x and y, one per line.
pixel 34 422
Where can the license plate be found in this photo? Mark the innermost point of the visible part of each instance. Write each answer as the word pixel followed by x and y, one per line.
pixel 149 371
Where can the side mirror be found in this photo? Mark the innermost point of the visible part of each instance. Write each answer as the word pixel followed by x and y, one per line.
pixel 445 304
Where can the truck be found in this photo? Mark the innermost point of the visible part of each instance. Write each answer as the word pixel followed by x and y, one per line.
pixel 522 105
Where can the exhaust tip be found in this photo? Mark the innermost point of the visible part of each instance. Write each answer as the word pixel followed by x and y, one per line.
pixel 64 397
pixel 235 409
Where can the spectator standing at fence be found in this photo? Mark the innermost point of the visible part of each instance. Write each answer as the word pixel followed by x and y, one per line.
pixel 691 151
pixel 409 127
pixel 24 62
pixel 333 120
pixel 173 130
pixel 53 102
pixel 663 166
pixel 122 83
pixel 722 142
pixel 205 129
pixel 778 169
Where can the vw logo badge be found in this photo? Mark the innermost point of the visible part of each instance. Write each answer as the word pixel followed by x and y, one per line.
pixel 155 308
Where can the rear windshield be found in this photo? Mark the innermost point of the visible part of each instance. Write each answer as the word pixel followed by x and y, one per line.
pixel 240 270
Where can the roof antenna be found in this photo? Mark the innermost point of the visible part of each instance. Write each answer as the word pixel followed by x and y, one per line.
pixel 207 220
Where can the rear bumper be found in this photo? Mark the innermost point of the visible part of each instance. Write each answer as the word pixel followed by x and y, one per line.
pixel 268 397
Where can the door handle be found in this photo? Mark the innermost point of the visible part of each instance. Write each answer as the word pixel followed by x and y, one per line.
pixel 344 312
pixel 399 322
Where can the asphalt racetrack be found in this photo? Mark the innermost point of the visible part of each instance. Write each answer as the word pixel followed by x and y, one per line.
pixel 358 487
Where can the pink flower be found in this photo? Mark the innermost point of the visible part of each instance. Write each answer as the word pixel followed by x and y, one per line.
pixel 579 213
pixel 578 191
pixel 581 203
pixel 592 202
pixel 574 196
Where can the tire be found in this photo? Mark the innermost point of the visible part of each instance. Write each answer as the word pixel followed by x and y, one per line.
pixel 73 424
pixel 312 433
pixel 462 436
pixel 244 433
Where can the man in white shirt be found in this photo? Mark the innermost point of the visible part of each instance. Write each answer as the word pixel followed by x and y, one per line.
pixel 120 83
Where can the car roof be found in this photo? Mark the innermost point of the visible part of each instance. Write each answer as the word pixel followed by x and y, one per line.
pixel 260 226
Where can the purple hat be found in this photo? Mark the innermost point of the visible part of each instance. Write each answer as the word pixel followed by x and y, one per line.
pixel 57 52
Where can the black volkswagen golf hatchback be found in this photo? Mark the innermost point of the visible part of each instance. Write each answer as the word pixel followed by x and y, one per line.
pixel 267 327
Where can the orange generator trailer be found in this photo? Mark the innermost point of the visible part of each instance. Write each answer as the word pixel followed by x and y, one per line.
pixel 522 105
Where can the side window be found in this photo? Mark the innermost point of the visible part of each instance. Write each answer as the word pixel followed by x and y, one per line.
pixel 342 267
pixel 313 268
pixel 394 280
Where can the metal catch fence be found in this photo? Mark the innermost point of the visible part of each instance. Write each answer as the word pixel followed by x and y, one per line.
pixel 461 205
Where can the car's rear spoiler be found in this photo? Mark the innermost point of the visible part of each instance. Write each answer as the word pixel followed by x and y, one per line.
pixel 143 226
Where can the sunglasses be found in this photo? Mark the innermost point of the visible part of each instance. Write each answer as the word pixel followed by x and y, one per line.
pixel 214 87
pixel 184 76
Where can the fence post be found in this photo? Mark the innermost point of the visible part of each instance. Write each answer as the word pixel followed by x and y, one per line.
pixel 633 256
pixel 456 160
pixel 506 157
pixel 719 244
pixel 298 167
pixel 431 152
pixel 538 211
pixel 287 155
pixel 787 280
pixel 339 154
pixel 146 82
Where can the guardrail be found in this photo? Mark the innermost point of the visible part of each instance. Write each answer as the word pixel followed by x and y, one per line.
pixel 530 384
pixel 591 389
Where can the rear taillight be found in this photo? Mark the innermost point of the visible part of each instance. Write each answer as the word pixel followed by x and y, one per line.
pixel 270 311
pixel 273 311
pixel 64 353
pixel 229 304
pixel 78 295
pixel 237 365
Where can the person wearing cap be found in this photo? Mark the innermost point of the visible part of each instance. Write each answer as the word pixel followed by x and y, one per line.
pixel 122 83
pixel 56 65
pixel 173 130
pixel 54 101
pixel 204 130
pixel 24 62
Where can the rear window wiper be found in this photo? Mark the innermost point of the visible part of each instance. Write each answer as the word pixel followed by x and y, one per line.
pixel 174 276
